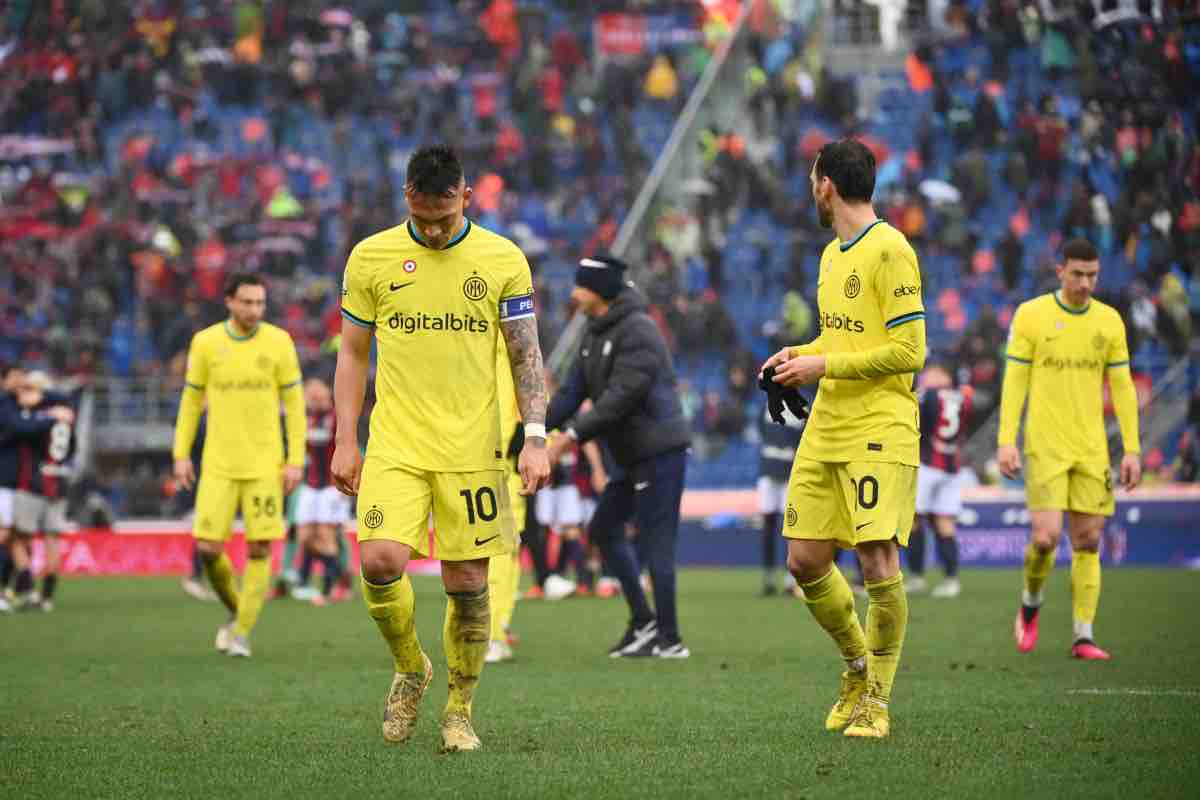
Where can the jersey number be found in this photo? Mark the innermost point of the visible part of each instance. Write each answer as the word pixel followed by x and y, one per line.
pixel 263 507
pixel 60 441
pixel 951 415
pixel 868 483
pixel 482 504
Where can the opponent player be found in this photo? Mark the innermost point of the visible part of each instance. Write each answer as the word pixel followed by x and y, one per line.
pixel 945 415
pixel 775 456
pixel 435 292
pixel 854 480
pixel 321 509
pixel 244 368
pixel 40 501
pixel 1061 347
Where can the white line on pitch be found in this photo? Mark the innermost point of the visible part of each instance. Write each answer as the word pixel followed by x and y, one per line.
pixel 1139 692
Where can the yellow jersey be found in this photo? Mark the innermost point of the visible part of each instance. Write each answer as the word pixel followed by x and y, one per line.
pixel 436 316
pixel 1066 354
pixel 872 324
pixel 244 380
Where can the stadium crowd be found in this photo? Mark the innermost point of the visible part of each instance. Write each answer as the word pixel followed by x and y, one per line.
pixel 147 152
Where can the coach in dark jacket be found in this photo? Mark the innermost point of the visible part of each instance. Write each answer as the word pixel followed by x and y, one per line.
pixel 625 369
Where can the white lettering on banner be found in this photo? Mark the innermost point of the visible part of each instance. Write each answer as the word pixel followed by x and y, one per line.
pixel 77 557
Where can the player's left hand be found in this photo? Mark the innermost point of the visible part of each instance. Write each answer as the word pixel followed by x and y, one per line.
pixel 800 370
pixel 291 478
pixel 534 466
pixel 1131 471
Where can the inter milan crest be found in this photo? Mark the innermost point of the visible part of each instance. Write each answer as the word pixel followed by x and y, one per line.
pixel 475 287
pixel 373 518
pixel 853 286
pixel 792 517
pixel 264 363
pixel 1098 341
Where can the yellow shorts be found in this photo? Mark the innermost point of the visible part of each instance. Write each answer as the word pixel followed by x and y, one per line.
pixel 472 516
pixel 1083 486
pixel 219 499
pixel 516 500
pixel 850 503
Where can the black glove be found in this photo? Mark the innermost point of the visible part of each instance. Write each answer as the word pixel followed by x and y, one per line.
pixel 779 396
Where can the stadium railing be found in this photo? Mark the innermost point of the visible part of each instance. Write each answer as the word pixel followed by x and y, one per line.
pixel 714 102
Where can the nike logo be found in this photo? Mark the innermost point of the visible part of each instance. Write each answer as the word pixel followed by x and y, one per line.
pixel 396 286
pixel 479 543
pixel 860 527
pixel 1051 338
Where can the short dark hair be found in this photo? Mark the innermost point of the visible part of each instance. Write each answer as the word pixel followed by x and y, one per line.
pixel 1079 249
pixel 239 279
pixel 850 164
pixel 11 367
pixel 434 171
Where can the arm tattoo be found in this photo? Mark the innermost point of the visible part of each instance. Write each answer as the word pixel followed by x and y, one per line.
pixel 525 355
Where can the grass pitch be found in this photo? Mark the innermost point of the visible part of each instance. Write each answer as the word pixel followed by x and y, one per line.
pixel 119 694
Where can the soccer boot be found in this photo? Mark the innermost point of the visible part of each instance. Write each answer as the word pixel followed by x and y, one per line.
pixel 196 590
pixel 915 584
pixel 5 606
pixel 498 651
pixel 403 702
pixel 1025 628
pixel 239 647
pixel 853 686
pixel 947 589
pixel 224 637
pixel 457 734
pixel 636 638
pixel 557 587
pixel 870 720
pixel 670 650
pixel 1087 650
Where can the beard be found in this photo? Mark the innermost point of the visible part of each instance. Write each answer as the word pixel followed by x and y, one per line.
pixel 824 215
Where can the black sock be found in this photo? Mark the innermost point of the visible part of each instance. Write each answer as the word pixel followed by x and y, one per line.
pixel 947 547
pixel 770 533
pixel 6 567
pixel 24 582
pixel 584 575
pixel 49 584
pixel 306 565
pixel 197 565
pixel 571 552
pixel 333 571
pixel 916 549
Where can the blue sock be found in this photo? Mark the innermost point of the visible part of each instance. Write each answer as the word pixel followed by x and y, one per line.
pixel 333 571
pixel 306 565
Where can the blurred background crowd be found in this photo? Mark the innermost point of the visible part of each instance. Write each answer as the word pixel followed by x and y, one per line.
pixel 148 148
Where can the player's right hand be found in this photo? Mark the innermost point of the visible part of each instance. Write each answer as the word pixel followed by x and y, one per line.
pixel 346 468
pixel 775 360
pixel 185 472
pixel 1008 457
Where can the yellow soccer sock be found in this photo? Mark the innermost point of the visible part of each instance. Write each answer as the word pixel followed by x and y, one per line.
pixel 831 603
pixel 1085 591
pixel 220 575
pixel 392 606
pixel 255 582
pixel 503 591
pixel 465 638
pixel 887 621
pixel 1038 566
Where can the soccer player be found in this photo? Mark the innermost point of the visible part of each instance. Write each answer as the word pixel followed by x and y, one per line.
pixel 854 480
pixel 244 368
pixel 40 502
pixel 435 293
pixel 10 419
pixel 1061 347
pixel 945 415
pixel 321 509
pixel 775 456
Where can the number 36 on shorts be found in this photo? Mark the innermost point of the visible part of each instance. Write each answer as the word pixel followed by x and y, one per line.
pixel 850 503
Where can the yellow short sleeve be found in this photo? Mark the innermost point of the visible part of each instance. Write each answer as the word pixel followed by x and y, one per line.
pixel 898 287
pixel 1020 337
pixel 358 292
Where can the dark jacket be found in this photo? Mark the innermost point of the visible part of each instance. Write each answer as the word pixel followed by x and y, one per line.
pixel 15 426
pixel 624 367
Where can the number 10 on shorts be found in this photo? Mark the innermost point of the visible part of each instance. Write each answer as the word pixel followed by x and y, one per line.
pixel 481 504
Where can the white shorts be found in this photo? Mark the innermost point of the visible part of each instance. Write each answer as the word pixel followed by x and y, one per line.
pixel 772 495
pixel 940 492
pixel 325 506
pixel 560 507
pixel 33 514
pixel 6 507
